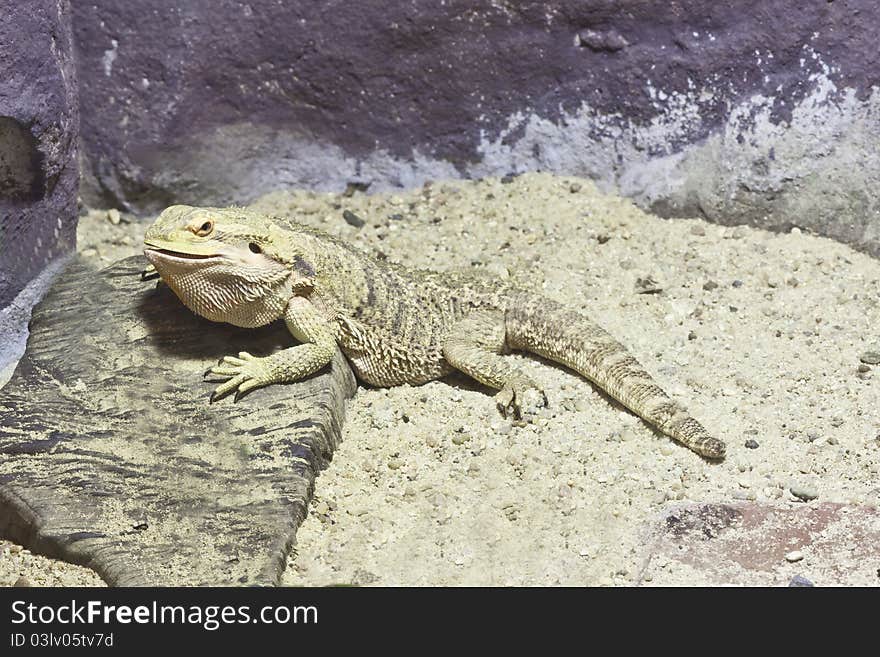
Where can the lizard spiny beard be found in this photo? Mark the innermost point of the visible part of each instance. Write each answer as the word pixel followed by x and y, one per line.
pixel 242 296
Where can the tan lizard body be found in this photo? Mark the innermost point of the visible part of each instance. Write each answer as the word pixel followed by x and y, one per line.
pixel 395 325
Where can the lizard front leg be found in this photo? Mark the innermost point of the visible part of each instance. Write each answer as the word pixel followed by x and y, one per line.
pixel 474 346
pixel 246 372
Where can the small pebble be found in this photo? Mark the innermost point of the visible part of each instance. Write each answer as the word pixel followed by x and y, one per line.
pixel 771 492
pixel 710 285
pixel 800 580
pixel 804 493
pixel 22 582
pixel 737 283
pixel 647 285
pixel 794 556
pixel 460 438
pixel 504 428
pixel 692 335
pixel 574 188
pixel 870 358
pixel 864 368
pixel 113 216
pixel 697 229
pixel 752 444
pixel 352 219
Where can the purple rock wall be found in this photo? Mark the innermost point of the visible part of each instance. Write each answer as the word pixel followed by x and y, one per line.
pixel 38 139
pixel 222 100
pixel 761 111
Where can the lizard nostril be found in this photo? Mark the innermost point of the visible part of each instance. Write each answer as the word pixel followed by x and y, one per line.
pixel 255 248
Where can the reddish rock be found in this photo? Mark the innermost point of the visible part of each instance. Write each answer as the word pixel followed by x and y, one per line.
pixel 746 543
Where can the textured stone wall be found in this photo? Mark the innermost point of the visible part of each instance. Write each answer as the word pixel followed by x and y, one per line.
pixel 38 140
pixel 759 111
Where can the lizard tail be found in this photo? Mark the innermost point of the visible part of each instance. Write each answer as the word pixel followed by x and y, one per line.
pixel 541 326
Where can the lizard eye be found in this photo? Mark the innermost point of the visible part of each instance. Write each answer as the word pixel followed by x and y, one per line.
pixel 205 229
pixel 255 248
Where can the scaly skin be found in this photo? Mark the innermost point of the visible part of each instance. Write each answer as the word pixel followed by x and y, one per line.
pixel 395 325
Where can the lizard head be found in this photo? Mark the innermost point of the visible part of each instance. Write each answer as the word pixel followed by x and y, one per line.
pixel 225 264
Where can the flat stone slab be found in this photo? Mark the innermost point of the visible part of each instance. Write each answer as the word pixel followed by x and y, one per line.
pixel 827 544
pixel 111 455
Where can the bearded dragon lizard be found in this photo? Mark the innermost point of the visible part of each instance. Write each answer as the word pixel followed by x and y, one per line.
pixel 394 324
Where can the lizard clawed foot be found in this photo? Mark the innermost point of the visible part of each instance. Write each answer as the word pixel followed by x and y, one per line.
pixel 518 396
pixel 244 373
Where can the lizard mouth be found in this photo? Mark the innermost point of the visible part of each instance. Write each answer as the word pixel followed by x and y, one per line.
pixel 165 260
pixel 177 255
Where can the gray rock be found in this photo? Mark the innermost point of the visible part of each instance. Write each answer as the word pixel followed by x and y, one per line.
pixel 38 141
pixel 800 580
pixel 106 423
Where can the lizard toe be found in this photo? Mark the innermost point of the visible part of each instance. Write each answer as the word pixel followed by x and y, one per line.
pixel 225 388
pixel 243 373
pixel 149 273
pixel 520 398
pixel 505 400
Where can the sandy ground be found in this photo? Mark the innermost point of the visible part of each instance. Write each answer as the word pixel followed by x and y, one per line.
pixel 759 334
